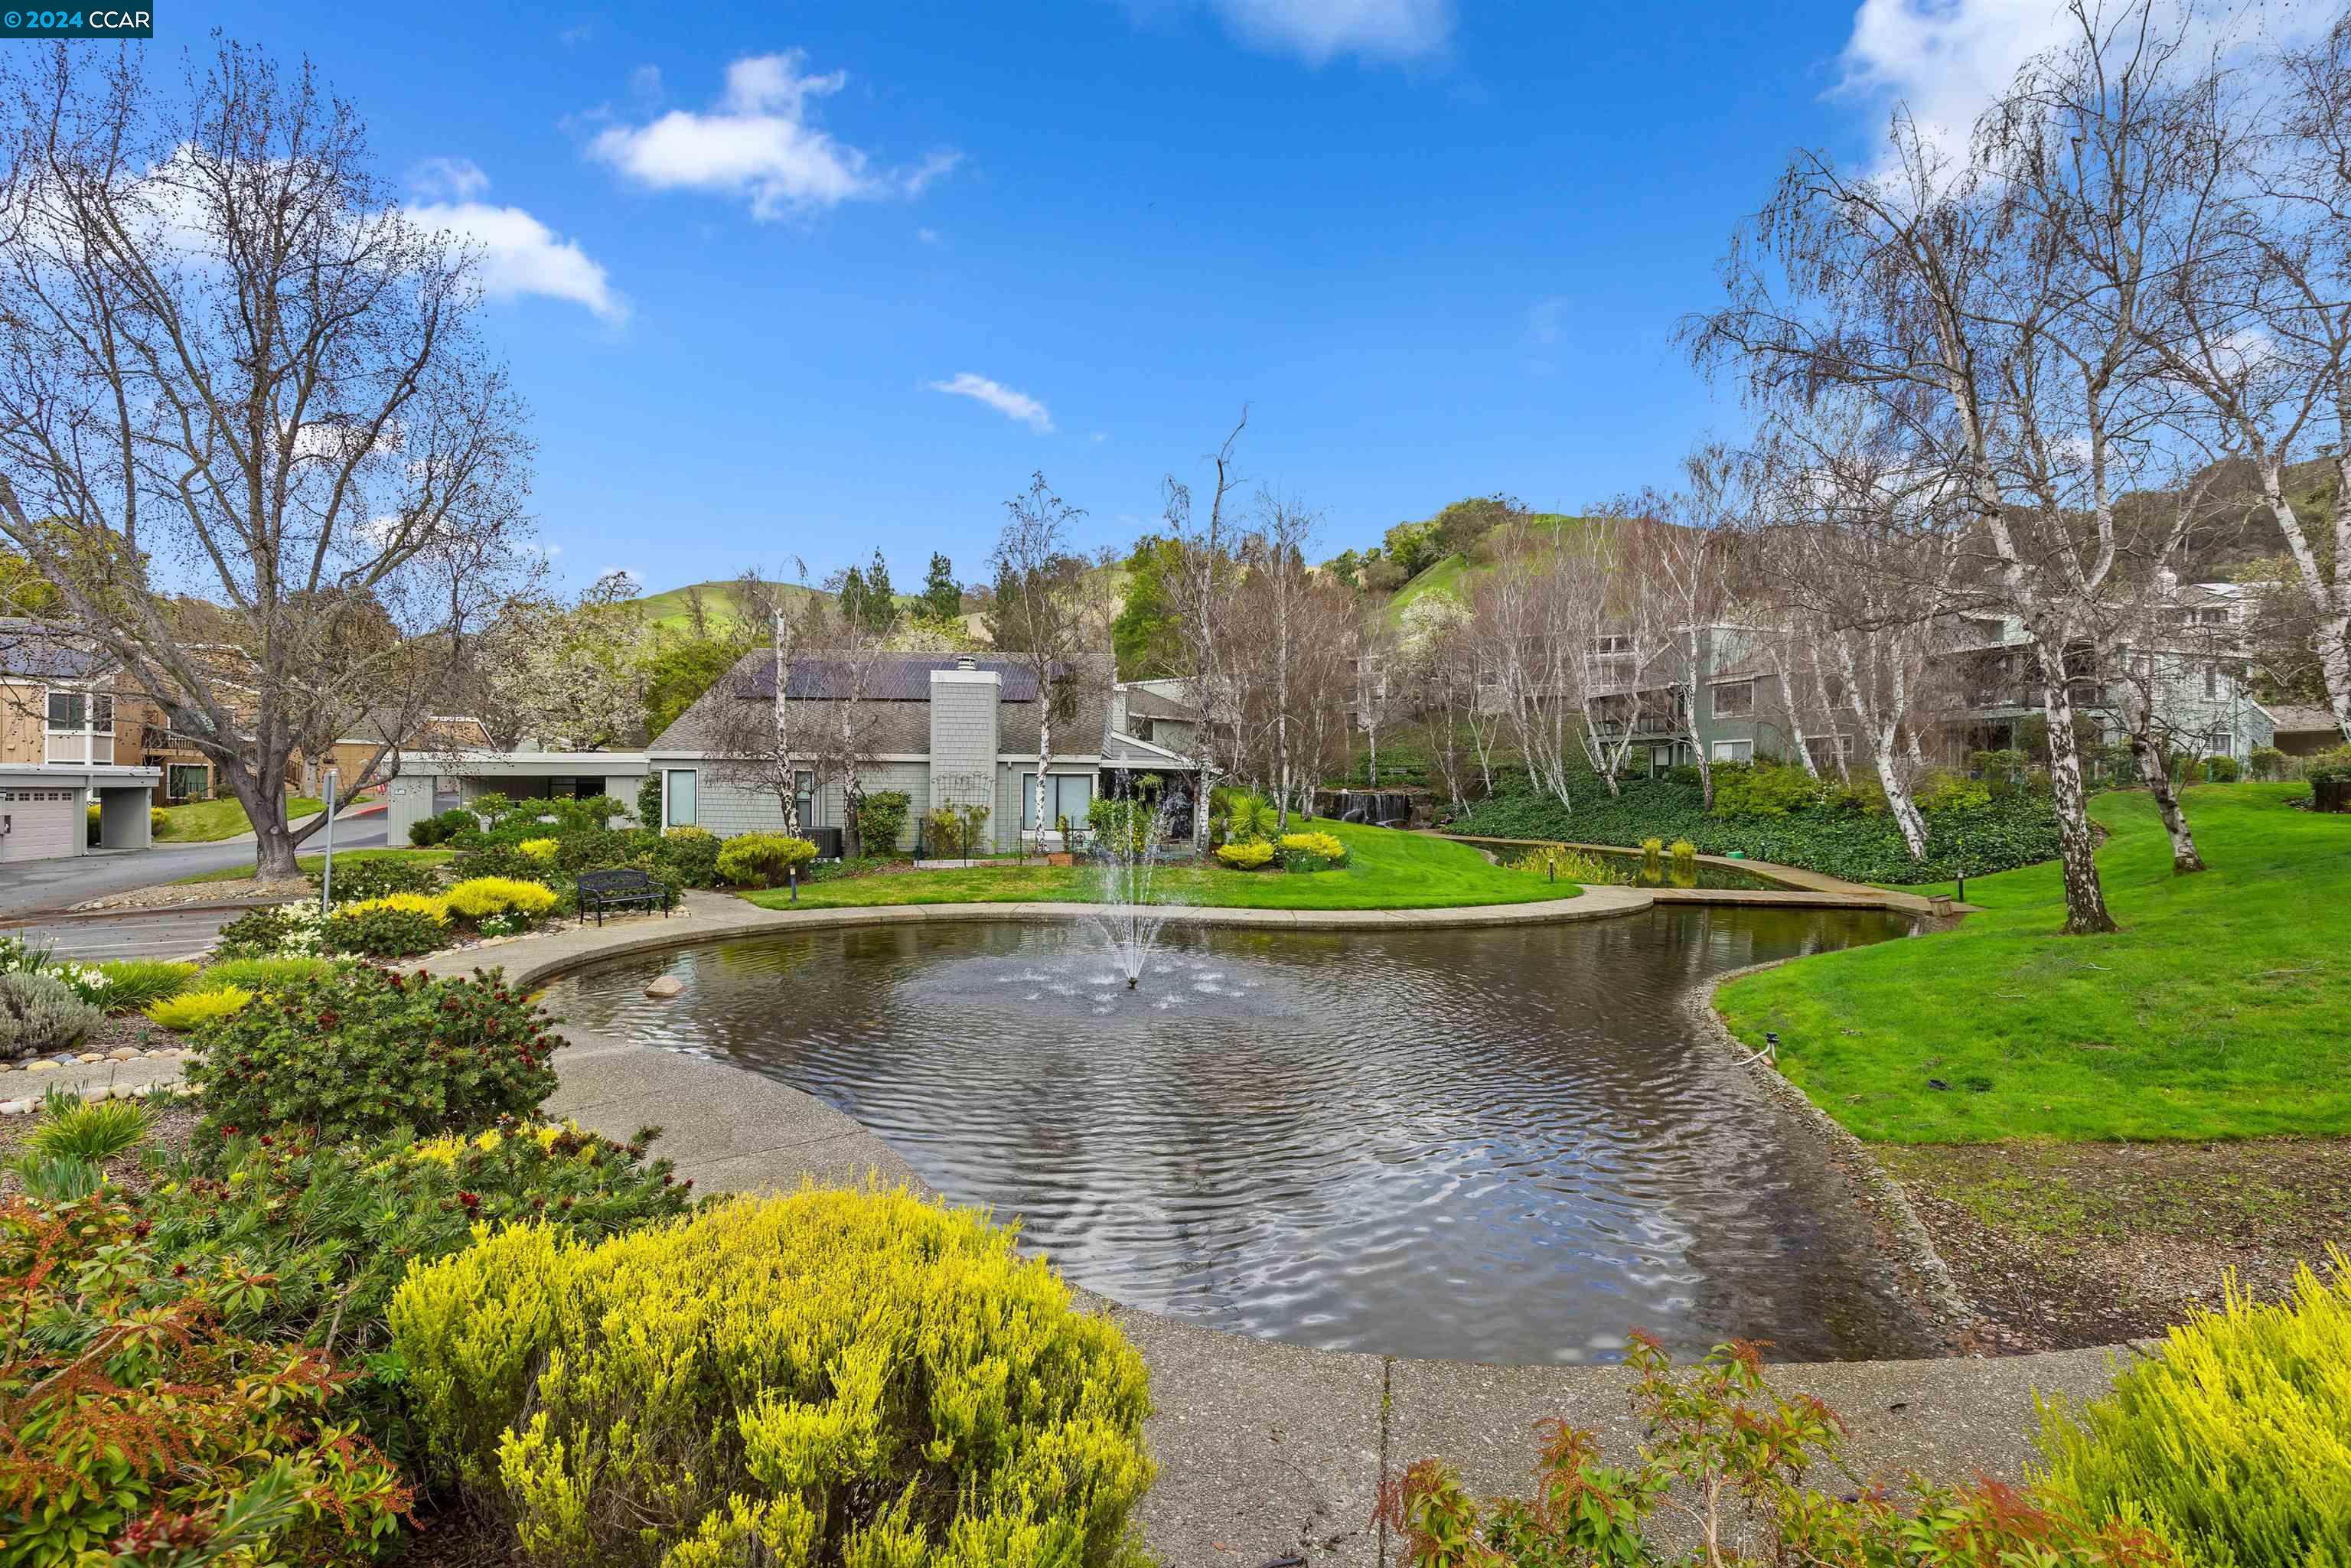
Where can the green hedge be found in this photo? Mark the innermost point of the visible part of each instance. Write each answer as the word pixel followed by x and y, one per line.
pixel 2000 834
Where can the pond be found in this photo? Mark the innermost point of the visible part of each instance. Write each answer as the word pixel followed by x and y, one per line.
pixel 1508 1145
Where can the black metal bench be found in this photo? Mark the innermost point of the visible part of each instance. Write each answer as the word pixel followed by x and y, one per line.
pixel 618 889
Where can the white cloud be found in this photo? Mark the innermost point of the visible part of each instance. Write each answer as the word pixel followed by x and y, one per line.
pixel 1948 59
pixel 448 180
pixel 1317 30
pixel 1002 398
pixel 519 255
pixel 645 85
pixel 758 141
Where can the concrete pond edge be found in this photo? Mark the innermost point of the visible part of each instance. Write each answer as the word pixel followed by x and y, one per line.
pixel 1272 1451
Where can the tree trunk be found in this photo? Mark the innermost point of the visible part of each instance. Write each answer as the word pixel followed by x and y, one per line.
pixel 2085 898
pixel 1044 755
pixel 1898 801
pixel 2184 858
pixel 1795 718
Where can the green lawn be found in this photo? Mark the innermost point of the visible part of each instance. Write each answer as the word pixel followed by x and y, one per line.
pixel 310 863
pixel 1386 869
pixel 201 821
pixel 2221 1009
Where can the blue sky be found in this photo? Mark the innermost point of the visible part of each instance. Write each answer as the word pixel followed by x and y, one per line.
pixel 1439 249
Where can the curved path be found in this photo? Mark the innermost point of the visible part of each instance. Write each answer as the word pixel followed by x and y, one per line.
pixel 1266 1450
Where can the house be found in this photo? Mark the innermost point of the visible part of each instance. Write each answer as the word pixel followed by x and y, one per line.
pixel 2305 731
pixel 430 782
pixel 58 744
pixel 951 730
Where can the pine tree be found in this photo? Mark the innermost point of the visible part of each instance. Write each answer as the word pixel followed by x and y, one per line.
pixel 880 608
pixel 942 599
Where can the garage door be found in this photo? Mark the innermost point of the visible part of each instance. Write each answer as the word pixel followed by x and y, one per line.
pixel 41 824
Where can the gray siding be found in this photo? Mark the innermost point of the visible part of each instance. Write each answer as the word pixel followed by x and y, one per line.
pixel 965 730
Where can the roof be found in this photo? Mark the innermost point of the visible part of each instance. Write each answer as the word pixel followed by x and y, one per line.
pixel 37 649
pixel 1144 702
pixel 2302 720
pixel 902 721
pixel 889 678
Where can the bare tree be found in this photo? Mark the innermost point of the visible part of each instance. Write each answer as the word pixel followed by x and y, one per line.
pixel 1040 614
pixel 229 371
pixel 1273 554
pixel 1377 673
pixel 1679 548
pixel 759 741
pixel 841 653
pixel 1200 593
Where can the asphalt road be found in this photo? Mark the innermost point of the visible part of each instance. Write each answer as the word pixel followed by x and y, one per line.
pixel 51 887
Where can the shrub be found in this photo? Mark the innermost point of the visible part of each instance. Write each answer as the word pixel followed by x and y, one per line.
pixel 157 820
pixel 1941 789
pixel 881 1375
pixel 693 853
pixel 1653 860
pixel 191 1009
pixel 760 860
pixel 1763 790
pixel 502 861
pixel 362 1052
pixel 374 877
pixel 1250 818
pixel 384 928
pixel 297 929
pixel 2232 1438
pixel 881 818
pixel 452 826
pixel 1740 1460
pixel 131 984
pixel 88 982
pixel 1557 862
pixel 1248 854
pixel 2268 762
pixel 649 800
pixel 140 1430
pixel 338 1224
pixel 1312 851
pixel 2329 767
pixel 38 1014
pixel 482 896
pixel 266 974
pixel 90 1130
pixel 955 833
pixel 2221 769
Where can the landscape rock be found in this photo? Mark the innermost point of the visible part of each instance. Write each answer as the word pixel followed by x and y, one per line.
pixel 40 1067
pixel 666 986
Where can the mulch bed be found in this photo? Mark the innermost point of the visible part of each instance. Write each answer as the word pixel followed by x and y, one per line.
pixel 2060 1246
pixel 168 1132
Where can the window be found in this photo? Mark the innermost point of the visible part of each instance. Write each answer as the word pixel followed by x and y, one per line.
pixel 1734 752
pixel 2221 743
pixel 805 800
pixel 187 780
pixel 677 797
pixel 1827 749
pixel 1735 699
pixel 2211 680
pixel 1660 759
pixel 1066 795
pixel 67 711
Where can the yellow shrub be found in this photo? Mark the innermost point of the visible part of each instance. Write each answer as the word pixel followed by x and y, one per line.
pixel 1313 847
pixel 863 1368
pixel 430 905
pixel 2236 1440
pixel 1246 857
pixel 189 1008
pixel 481 896
pixel 539 849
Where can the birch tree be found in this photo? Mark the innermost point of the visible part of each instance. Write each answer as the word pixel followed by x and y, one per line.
pixel 1200 589
pixel 240 391
pixel 1040 615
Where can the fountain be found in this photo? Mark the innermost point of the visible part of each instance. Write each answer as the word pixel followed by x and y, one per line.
pixel 1126 847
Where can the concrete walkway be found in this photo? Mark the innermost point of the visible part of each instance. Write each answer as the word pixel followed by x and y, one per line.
pixel 1266 1450
pixel 1812 888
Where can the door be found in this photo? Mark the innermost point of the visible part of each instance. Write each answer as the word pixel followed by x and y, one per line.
pixel 41 824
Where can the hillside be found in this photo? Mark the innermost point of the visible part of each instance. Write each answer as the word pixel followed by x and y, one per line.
pixel 672 608
pixel 1457 574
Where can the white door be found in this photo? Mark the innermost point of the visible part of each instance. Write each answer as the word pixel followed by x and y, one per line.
pixel 41 824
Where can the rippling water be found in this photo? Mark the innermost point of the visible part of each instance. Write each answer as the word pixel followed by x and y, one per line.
pixel 1497 1146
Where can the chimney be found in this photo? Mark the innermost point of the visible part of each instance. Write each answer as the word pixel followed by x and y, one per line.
pixel 966 662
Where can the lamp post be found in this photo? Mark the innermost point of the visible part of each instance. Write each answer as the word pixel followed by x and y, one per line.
pixel 327 876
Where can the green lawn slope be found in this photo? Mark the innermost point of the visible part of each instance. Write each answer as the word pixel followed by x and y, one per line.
pixel 1457 575
pixel 2221 1009
pixel 1386 869
pixel 207 822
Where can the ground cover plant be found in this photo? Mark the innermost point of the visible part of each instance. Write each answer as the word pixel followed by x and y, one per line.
pixel 2217 1011
pixel 136 1427
pixel 310 865
pixel 1386 869
pixel 41 1013
pixel 1776 814
pixel 194 1008
pixel 835 1376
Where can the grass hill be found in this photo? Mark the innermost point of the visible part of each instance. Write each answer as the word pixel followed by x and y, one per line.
pixel 1457 574
pixel 672 608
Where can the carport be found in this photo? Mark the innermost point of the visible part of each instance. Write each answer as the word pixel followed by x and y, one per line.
pixel 41 809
